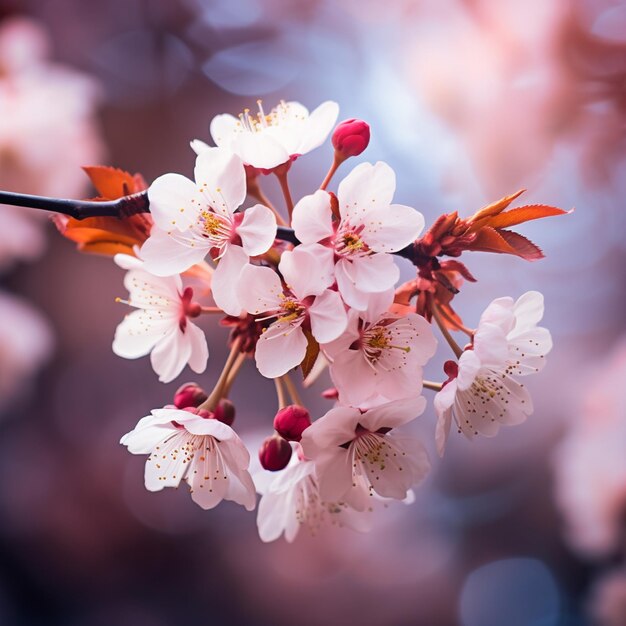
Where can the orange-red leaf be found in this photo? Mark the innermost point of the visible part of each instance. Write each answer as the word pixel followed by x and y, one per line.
pixel 490 240
pixel 495 207
pixel 524 214
pixel 523 246
pixel 112 183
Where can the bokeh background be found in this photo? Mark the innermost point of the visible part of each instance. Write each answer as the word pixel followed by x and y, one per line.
pixel 468 100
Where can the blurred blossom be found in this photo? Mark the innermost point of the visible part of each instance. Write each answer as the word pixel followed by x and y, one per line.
pixel 591 463
pixel 25 343
pixel 608 599
pixel 515 592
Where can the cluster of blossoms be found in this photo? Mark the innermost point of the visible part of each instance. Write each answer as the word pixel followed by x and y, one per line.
pixel 310 288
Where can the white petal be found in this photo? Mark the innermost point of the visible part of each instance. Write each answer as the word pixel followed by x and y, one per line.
pixel 198 146
pixel 334 429
pixel 312 218
pixel 221 178
pixel 318 126
pixel 260 150
pixel 168 463
pixel 308 270
pixel 352 296
pixel 368 187
pixel 443 402
pixel 257 230
pixel 393 414
pixel 392 228
pixel 328 316
pixel 280 348
pixel 165 255
pixel 273 515
pixel 226 279
pixel 469 366
pixel 375 273
pixel 490 345
pixel 174 202
pixel 170 355
pixel 199 348
pixel 528 311
pixel 224 128
pixel 259 289
pixel 137 334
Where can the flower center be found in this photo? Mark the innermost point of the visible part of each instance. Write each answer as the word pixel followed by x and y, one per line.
pixel 214 227
pixel 255 123
pixel 376 340
pixel 292 309
pixel 348 241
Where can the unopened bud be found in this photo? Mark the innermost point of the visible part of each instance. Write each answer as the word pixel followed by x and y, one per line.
pixel 275 453
pixel 189 394
pixel 203 413
pixel 332 393
pixel 225 412
pixel 291 421
pixel 350 138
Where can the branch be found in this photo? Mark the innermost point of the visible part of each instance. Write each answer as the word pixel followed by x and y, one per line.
pixel 123 207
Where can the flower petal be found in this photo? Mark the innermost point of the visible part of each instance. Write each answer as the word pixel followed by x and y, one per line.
pixel 318 126
pixel 366 188
pixel 170 355
pixel 392 228
pixel 308 269
pixel 259 289
pixel 174 202
pixel 280 348
pixel 328 316
pixel 257 230
pixel 312 218
pixel 226 279
pixel 165 255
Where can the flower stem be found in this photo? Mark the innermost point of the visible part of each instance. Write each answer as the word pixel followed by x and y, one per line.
pixel 211 309
pixel 464 329
pixel 280 393
pixel 254 189
pixel 292 389
pixel 429 384
pixel 284 186
pixel 331 172
pixel 216 395
pixel 444 330
pixel 241 359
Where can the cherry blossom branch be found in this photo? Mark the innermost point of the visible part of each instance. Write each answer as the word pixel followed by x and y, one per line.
pixel 211 309
pixel 444 330
pixel 125 207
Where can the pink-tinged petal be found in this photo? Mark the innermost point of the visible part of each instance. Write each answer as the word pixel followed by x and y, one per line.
pixel 260 150
pixel 377 304
pixel 334 475
pixel 499 313
pixel 280 348
pixel 236 452
pixel 353 377
pixel 406 464
pixel 170 355
pixel 490 345
pixel 332 430
pixel 308 269
pixel 165 255
pixel 393 414
pixel 392 228
pixel 274 513
pixel 197 425
pixel 224 128
pixel 136 335
pixel 199 348
pixel 226 279
pixel 221 178
pixel 174 202
pixel 128 262
pixel 257 230
pixel 353 297
pixel 528 311
pixel 144 440
pixel 328 316
pixel 312 218
pixel 208 476
pixel 241 490
pixel 259 289
pixel 527 351
pixel 342 344
pixel 318 126
pixel 469 366
pixel 154 292
pixel 443 402
pixel 375 273
pixel 366 188
pixel 167 465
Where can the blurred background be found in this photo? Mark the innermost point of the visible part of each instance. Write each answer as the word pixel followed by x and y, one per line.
pixel 468 100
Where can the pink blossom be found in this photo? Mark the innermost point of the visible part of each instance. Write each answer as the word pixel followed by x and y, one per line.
pixel 193 218
pixel 203 451
pixel 161 324
pixel 369 227
pixel 485 392
pixel 380 355
pixel 304 302
pixel 357 453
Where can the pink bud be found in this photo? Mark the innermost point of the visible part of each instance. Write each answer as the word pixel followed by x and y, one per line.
pixel 350 138
pixel 331 393
pixel 189 394
pixel 291 421
pixel 275 453
pixel 203 413
pixel 225 411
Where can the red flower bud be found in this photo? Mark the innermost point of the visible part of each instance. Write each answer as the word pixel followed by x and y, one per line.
pixel 350 138
pixel 291 421
pixel 275 453
pixel 225 412
pixel 189 394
